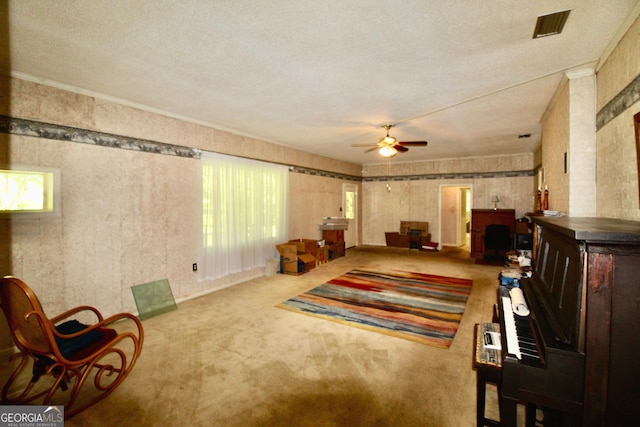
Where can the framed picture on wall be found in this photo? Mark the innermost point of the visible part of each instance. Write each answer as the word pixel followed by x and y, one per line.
pixel 636 124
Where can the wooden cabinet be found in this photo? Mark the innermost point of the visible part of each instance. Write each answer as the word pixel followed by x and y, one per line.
pixel 480 218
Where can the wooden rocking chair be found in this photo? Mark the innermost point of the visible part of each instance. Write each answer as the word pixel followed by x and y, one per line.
pixel 65 349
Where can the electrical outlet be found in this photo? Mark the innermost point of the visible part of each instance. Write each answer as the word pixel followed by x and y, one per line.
pixel 195 266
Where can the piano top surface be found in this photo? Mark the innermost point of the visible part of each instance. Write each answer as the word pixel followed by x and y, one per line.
pixel 593 229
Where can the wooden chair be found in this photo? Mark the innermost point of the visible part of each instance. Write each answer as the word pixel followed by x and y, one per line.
pixel 71 353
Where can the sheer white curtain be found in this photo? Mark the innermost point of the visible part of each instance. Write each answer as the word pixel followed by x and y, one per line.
pixel 245 208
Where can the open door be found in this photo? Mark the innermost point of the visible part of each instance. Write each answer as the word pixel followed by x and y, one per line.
pixel 455 215
pixel 350 209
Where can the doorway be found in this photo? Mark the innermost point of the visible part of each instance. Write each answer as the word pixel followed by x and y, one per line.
pixel 455 215
pixel 350 209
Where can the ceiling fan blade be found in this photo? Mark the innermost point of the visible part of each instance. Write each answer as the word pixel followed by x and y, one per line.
pixel 387 142
pixel 413 143
pixel 364 145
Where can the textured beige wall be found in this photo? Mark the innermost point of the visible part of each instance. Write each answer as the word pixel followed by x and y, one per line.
pixel 621 67
pixel 313 198
pixel 29 100
pixel 126 219
pixel 419 200
pixel 582 143
pixel 555 143
pixel 617 169
pixel 568 136
pixel 617 173
pixel 615 165
pixel 130 217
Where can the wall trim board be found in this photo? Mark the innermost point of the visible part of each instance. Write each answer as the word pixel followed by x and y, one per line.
pixel 623 100
pixel 328 174
pixel 444 176
pixel 25 127
pixel 38 129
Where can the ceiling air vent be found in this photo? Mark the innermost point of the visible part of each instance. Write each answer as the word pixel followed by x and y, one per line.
pixel 548 25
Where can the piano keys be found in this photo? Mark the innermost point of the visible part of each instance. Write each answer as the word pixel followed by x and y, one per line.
pixel 550 376
pixel 521 339
pixel 577 355
pixel 511 336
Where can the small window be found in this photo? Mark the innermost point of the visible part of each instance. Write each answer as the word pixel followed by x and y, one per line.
pixel 29 191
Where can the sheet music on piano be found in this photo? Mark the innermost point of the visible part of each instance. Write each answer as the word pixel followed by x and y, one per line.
pixel 518 302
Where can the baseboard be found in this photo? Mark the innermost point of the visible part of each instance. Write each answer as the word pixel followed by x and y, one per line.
pixel 7 352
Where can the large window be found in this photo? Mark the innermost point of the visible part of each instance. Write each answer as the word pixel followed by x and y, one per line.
pixel 29 191
pixel 245 205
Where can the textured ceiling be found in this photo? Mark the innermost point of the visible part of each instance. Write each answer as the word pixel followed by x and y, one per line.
pixel 466 75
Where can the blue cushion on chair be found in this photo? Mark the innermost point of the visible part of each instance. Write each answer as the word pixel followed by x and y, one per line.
pixel 70 347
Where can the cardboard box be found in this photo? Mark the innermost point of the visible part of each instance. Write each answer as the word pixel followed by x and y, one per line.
pixel 288 258
pixel 333 236
pixel 322 255
pixel 294 262
pixel 340 250
pixel 331 249
pixel 306 246
pixel 308 260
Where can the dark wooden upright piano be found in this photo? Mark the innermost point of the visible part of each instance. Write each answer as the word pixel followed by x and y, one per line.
pixel 578 351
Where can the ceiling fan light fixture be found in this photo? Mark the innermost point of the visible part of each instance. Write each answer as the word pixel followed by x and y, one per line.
pixel 388 146
pixel 388 152
pixel 389 141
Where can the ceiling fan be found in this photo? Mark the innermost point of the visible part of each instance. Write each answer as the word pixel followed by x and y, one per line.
pixel 389 146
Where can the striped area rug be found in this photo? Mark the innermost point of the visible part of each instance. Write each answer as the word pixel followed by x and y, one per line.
pixel 419 307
